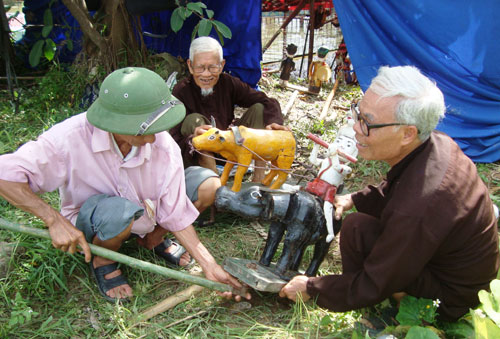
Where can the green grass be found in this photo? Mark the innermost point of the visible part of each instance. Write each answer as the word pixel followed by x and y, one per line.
pixel 50 294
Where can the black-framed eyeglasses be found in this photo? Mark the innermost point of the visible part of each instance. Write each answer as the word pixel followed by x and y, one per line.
pixel 211 68
pixel 365 126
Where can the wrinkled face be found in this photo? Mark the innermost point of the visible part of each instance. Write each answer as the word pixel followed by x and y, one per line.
pixel 248 202
pixel 134 140
pixel 384 143
pixel 346 145
pixel 206 69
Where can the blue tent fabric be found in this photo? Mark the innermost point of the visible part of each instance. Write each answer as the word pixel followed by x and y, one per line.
pixel 242 52
pixel 65 26
pixel 453 42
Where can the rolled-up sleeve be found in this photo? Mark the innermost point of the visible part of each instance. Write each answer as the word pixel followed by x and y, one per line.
pixel 39 163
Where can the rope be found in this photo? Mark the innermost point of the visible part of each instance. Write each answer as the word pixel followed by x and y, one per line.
pixel 268 163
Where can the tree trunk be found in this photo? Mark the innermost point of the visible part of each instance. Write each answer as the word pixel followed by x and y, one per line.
pixel 110 37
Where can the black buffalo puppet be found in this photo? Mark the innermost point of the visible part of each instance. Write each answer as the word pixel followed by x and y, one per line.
pixel 300 214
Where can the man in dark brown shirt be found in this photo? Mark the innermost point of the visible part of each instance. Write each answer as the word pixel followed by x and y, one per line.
pixel 429 229
pixel 209 92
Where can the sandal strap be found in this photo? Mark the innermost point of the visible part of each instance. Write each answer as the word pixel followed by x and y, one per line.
pixel 173 258
pixel 108 284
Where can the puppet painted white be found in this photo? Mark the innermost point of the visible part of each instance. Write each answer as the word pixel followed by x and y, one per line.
pixel 333 170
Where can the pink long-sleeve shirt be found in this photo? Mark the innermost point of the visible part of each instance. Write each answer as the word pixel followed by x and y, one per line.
pixel 80 160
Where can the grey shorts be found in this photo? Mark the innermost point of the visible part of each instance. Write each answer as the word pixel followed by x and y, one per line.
pixel 107 216
pixel 195 176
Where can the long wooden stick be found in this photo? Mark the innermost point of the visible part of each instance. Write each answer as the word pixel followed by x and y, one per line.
pixel 328 101
pixel 170 302
pixel 133 262
pixel 290 103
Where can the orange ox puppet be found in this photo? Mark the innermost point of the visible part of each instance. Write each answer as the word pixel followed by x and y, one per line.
pixel 239 145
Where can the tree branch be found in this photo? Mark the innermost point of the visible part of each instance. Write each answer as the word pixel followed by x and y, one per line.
pixel 86 25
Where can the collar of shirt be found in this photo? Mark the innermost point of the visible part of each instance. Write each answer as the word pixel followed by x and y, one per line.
pixel 397 169
pixel 102 142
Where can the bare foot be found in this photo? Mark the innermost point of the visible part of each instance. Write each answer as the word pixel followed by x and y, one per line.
pixel 122 291
pixel 185 257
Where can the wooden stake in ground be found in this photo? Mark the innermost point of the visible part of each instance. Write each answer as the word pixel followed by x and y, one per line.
pixel 290 103
pixel 170 302
pixel 328 101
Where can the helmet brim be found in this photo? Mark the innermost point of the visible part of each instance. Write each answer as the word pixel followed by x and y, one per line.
pixel 114 122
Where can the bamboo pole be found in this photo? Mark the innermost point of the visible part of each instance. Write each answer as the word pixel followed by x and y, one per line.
pixel 132 262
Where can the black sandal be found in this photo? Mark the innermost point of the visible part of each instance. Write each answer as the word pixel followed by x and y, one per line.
pixel 104 284
pixel 171 259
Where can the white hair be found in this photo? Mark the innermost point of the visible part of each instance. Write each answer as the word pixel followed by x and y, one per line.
pixel 205 44
pixel 421 102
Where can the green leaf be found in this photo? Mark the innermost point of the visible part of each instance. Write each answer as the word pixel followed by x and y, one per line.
pixel 46 322
pixel 36 53
pixel 12 321
pixel 196 7
pixel 224 30
pixel 176 20
pixel 46 30
pixel 325 321
pixel 491 301
pixel 205 27
pixel 195 30
pixel 69 44
pixel 49 49
pixel 408 314
pixel 210 13
pixel 484 328
pixel 221 38
pixel 186 12
pixel 417 332
pixel 47 18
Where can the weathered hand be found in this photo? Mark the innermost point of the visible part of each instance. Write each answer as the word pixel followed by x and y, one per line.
pixel 216 273
pixel 67 237
pixel 296 286
pixel 275 126
pixel 201 129
pixel 342 203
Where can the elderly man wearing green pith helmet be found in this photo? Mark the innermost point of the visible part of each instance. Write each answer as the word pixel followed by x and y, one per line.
pixel 119 174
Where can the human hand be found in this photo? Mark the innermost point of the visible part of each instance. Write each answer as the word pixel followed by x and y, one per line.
pixel 296 286
pixel 342 203
pixel 201 129
pixel 278 127
pixel 217 273
pixel 67 237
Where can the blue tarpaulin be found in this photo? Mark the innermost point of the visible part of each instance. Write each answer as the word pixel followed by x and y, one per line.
pixel 242 52
pixel 456 43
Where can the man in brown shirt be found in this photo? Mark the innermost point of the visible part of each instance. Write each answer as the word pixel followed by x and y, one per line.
pixel 429 229
pixel 209 92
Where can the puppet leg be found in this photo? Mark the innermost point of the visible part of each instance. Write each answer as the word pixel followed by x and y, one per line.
pixel 328 209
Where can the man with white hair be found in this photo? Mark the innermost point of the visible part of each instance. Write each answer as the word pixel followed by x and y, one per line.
pixel 209 92
pixel 429 229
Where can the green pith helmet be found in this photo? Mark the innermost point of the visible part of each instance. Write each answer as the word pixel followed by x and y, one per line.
pixel 135 101
pixel 322 52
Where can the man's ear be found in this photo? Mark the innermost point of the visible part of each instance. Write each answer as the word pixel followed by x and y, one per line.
pixel 410 134
pixel 223 63
pixel 190 67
